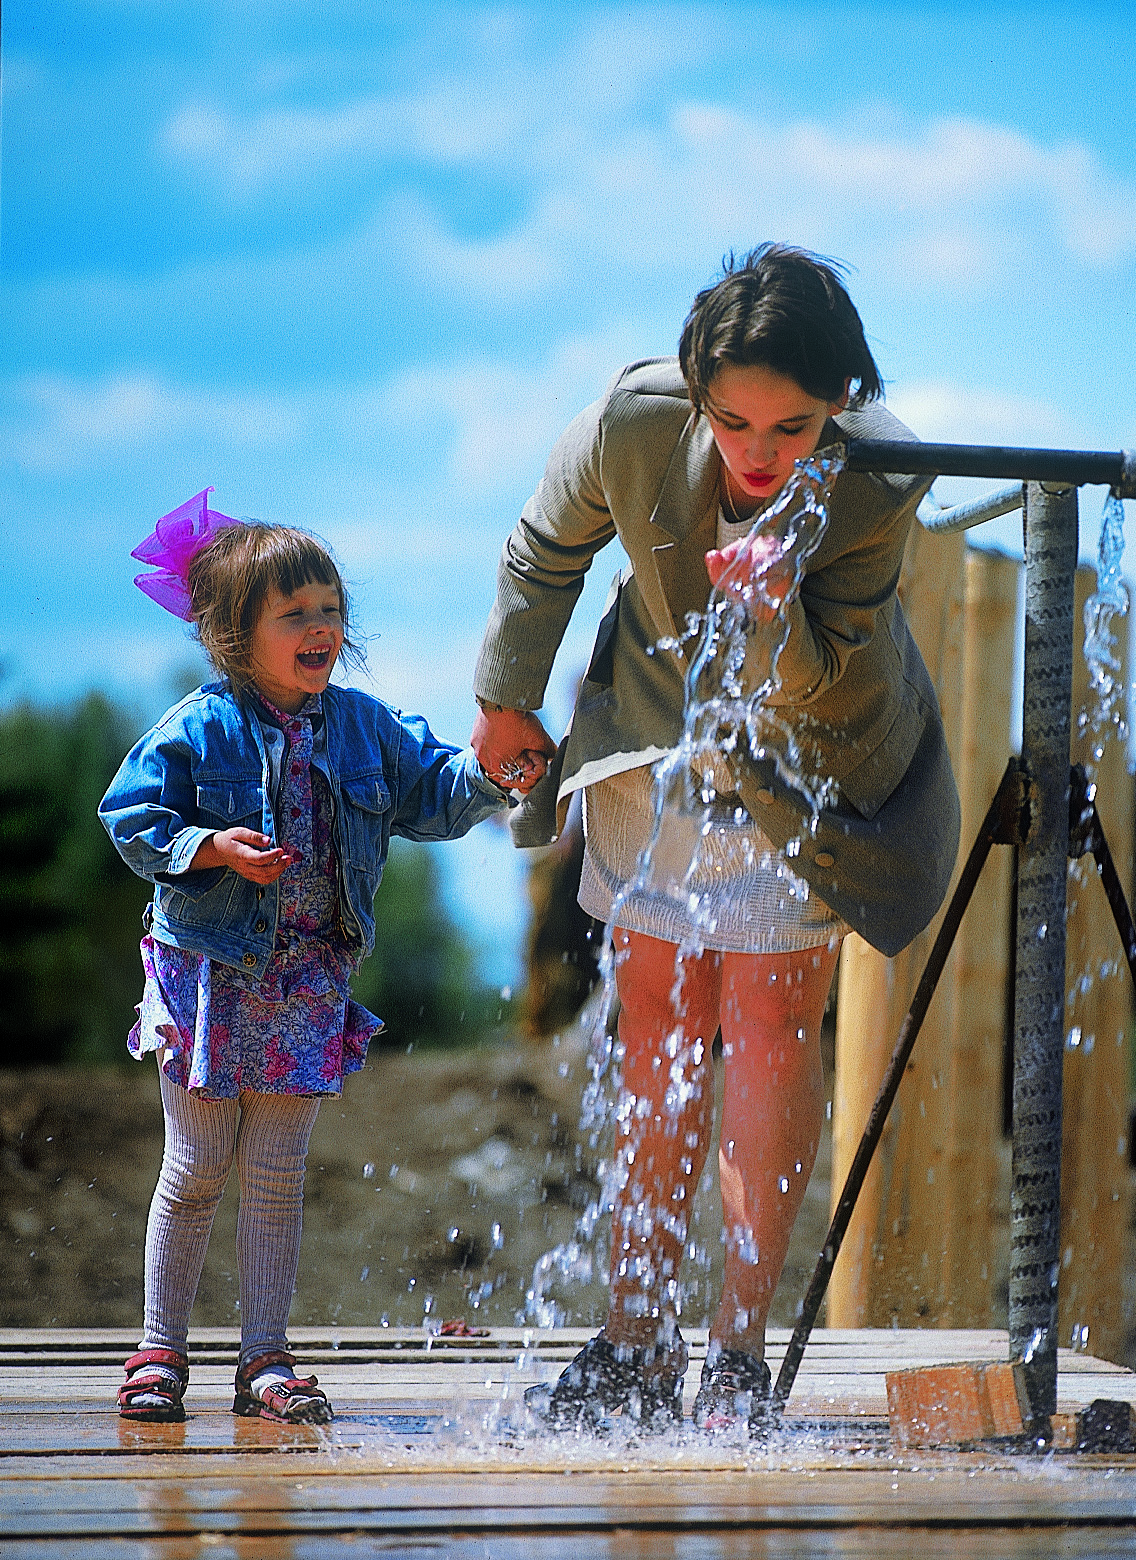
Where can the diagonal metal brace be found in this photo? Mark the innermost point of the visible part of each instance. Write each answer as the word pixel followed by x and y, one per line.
pixel 1086 833
pixel 1006 823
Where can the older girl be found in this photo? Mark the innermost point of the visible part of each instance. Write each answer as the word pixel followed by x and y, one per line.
pixel 679 459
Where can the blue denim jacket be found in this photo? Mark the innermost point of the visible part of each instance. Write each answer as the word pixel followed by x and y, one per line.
pixel 211 764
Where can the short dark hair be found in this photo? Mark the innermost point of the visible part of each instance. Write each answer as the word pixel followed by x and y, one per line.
pixel 229 582
pixel 783 309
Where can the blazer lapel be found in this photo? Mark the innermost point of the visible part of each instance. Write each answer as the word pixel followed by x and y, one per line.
pixel 683 528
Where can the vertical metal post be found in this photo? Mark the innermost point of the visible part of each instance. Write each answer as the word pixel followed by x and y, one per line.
pixel 1039 1000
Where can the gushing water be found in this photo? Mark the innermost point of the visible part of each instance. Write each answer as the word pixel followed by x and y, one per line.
pixel 1109 600
pixel 729 713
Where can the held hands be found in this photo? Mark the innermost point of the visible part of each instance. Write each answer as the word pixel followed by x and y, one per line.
pixel 249 854
pixel 512 746
pixel 753 571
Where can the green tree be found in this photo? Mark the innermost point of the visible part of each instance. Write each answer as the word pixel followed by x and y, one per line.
pixel 70 910
pixel 418 980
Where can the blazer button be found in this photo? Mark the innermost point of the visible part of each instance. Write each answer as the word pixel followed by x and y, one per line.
pixel 823 859
pixel 249 960
pixel 765 798
pixel 261 926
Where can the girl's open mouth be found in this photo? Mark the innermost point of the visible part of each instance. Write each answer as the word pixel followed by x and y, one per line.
pixel 314 660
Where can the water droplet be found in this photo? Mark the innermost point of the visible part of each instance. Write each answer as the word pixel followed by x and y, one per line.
pixel 783 1183
pixel 368 1171
pixel 1042 931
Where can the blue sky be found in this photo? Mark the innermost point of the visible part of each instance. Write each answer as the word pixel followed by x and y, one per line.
pixel 357 272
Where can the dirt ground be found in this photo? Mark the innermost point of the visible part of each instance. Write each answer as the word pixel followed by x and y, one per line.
pixel 435 1185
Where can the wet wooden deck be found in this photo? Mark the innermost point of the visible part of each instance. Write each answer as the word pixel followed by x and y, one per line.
pixel 428 1455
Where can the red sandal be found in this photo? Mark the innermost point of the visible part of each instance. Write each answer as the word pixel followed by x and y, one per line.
pixel 142 1383
pixel 295 1401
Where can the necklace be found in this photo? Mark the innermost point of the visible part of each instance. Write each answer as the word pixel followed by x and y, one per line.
pixel 727 501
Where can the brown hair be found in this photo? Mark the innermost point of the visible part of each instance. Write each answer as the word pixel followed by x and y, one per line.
pixel 783 309
pixel 229 582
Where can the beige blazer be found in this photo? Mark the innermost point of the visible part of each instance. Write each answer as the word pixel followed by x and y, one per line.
pixel 641 464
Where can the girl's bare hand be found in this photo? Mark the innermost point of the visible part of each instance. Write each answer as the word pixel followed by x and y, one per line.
pixel 512 747
pixel 752 570
pixel 249 854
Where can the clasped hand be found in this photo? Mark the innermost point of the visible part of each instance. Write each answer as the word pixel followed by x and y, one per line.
pixel 512 747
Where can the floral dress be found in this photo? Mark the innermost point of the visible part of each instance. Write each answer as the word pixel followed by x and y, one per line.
pixel 295 1029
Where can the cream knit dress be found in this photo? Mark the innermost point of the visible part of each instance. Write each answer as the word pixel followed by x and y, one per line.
pixel 730 890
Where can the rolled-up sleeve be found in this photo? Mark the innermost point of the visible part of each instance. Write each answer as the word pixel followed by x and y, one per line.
pixel 150 807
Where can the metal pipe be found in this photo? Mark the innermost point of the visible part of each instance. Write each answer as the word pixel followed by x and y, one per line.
pixel 1113 469
pixel 1039 994
pixel 960 517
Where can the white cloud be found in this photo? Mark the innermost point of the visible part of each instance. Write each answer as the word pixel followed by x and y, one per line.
pixel 504 419
pixel 943 412
pixel 479 426
pixel 57 423
pixel 949 195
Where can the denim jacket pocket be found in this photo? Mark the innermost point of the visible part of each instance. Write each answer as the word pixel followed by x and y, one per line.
pixel 229 804
pixel 365 800
pixel 205 897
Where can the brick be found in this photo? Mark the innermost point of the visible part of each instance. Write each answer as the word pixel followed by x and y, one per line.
pixel 943 1405
pixel 1005 1384
pixel 938 1405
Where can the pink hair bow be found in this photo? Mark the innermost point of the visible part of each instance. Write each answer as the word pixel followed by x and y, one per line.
pixel 175 539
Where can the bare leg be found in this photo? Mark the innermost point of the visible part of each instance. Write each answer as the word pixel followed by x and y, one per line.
pixel 772 1006
pixel 667 1025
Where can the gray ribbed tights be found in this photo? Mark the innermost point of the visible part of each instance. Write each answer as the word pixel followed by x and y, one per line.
pixel 268 1136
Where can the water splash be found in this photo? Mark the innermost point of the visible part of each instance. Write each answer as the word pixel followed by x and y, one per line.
pixel 729 713
pixel 1106 713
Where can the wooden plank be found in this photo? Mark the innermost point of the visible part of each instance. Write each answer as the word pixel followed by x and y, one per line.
pixel 973 1165
pixel 947 1495
pixel 641 1543
pixel 883 1274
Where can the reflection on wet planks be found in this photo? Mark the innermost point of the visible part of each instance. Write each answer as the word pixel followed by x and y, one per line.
pixel 426 1458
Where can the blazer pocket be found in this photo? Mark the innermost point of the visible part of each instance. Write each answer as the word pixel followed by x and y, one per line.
pixel 601 667
pixel 869 784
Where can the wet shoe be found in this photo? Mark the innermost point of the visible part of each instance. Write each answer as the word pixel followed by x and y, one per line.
pixel 156 1380
pixel 735 1385
pixel 289 1400
pixel 644 1384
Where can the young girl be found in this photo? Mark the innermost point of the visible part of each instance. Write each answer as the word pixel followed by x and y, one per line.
pixel 261 807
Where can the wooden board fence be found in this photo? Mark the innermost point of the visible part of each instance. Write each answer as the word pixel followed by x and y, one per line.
pixel 928 1242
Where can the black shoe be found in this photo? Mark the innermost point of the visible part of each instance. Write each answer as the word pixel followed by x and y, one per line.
pixel 734 1384
pixel 644 1384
